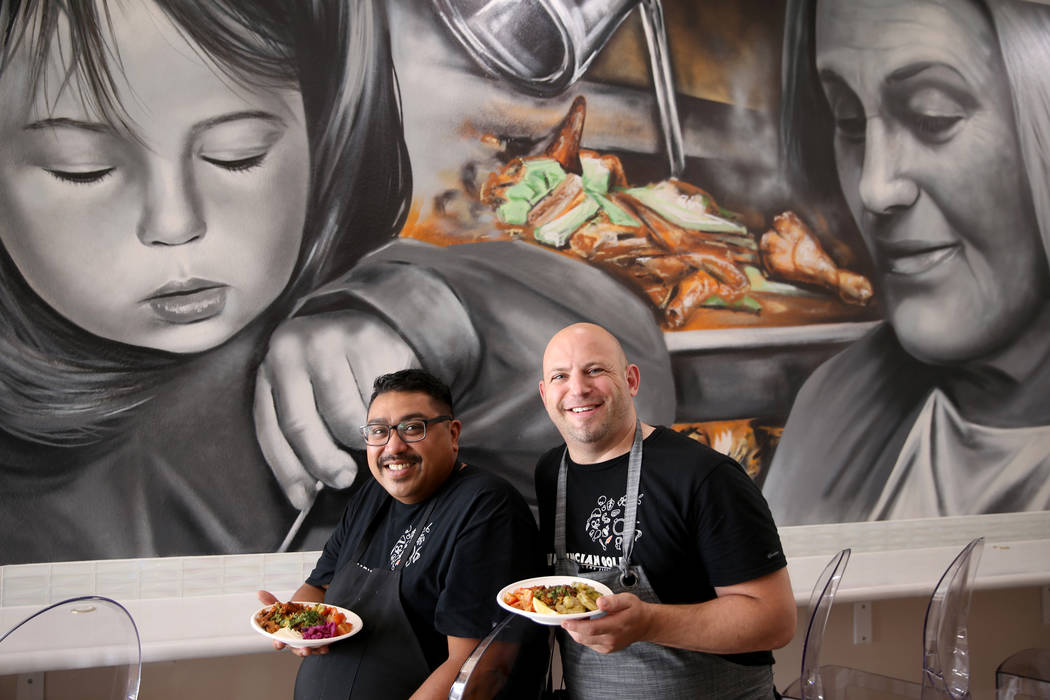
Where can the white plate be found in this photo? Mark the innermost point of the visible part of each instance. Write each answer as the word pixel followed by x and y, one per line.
pixel 555 619
pixel 351 617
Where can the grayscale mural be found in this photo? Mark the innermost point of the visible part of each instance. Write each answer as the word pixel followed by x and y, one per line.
pixel 221 220
pixel 939 123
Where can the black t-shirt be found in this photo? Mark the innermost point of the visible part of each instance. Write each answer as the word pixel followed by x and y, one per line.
pixel 701 521
pixel 481 536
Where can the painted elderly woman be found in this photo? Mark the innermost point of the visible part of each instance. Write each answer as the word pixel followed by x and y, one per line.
pixel 941 143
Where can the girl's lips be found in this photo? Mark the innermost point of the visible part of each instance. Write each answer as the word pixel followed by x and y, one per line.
pixel 190 305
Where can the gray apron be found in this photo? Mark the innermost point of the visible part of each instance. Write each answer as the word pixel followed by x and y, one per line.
pixel 643 669
pixel 385 659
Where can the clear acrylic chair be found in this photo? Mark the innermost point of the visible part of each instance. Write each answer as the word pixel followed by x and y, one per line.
pixel 809 685
pixel 1024 676
pixel 946 663
pixel 510 662
pixel 88 632
pixel 946 654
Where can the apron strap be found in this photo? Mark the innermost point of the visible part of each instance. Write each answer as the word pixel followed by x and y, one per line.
pixel 559 511
pixel 630 514
pixel 634 474
pixel 370 531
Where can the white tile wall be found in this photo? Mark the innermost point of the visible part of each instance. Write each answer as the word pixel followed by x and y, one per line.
pixel 895 535
pixel 140 579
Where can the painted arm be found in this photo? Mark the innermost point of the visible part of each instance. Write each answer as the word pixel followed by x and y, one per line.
pixel 756 615
pixel 413 304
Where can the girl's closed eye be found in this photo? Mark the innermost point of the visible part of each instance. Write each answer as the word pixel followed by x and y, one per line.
pixel 235 163
pixel 79 176
pixel 239 142
pixel 71 151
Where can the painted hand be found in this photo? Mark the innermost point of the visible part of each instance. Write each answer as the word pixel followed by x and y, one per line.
pixel 311 392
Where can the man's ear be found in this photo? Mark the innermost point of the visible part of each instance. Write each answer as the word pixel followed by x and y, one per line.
pixel 454 428
pixel 634 379
pixel 543 391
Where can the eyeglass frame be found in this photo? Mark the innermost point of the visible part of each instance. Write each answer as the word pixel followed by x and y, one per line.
pixel 391 429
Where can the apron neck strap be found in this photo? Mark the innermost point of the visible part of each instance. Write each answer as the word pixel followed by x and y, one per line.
pixel 634 473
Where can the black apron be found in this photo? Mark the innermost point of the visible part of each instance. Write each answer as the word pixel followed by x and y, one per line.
pixel 385 659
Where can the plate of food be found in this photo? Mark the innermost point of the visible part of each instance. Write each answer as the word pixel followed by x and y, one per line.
pixel 550 600
pixel 305 624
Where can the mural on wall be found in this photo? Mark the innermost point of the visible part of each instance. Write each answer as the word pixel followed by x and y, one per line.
pixel 939 123
pixel 167 189
pixel 176 179
pixel 220 222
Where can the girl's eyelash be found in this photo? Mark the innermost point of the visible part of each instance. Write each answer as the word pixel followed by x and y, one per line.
pixel 239 165
pixel 80 178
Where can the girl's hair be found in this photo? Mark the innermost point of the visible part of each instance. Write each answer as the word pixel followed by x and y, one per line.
pixel 807 151
pixel 62 385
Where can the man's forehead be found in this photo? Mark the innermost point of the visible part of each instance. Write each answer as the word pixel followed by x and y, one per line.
pixel 393 418
pixel 583 360
pixel 398 405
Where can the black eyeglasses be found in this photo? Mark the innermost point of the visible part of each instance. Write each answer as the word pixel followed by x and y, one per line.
pixel 377 434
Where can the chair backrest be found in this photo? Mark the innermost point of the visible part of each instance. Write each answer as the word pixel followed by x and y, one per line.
pixel 83 632
pixel 510 662
pixel 820 600
pixel 1024 674
pixel 946 661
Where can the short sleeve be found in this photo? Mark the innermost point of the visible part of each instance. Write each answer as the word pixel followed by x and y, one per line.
pixel 738 539
pixel 328 562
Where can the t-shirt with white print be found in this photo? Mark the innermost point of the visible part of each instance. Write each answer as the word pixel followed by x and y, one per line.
pixel 479 537
pixel 701 521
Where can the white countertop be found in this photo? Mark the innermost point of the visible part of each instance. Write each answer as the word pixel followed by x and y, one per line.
pixel 915 572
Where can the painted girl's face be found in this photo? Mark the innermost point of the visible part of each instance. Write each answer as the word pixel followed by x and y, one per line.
pixel 174 236
pixel 929 162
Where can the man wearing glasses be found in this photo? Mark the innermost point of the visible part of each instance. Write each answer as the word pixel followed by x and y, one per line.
pixel 422 550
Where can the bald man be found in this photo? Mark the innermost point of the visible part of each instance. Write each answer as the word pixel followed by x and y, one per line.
pixel 677 530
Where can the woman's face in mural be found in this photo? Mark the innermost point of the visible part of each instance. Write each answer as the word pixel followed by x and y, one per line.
pixel 174 236
pixel 929 161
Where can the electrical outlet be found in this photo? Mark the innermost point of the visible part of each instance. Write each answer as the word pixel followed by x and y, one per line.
pixel 862 623
pixel 30 686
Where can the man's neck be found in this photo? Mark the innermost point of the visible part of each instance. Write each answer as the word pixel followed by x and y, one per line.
pixel 587 453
